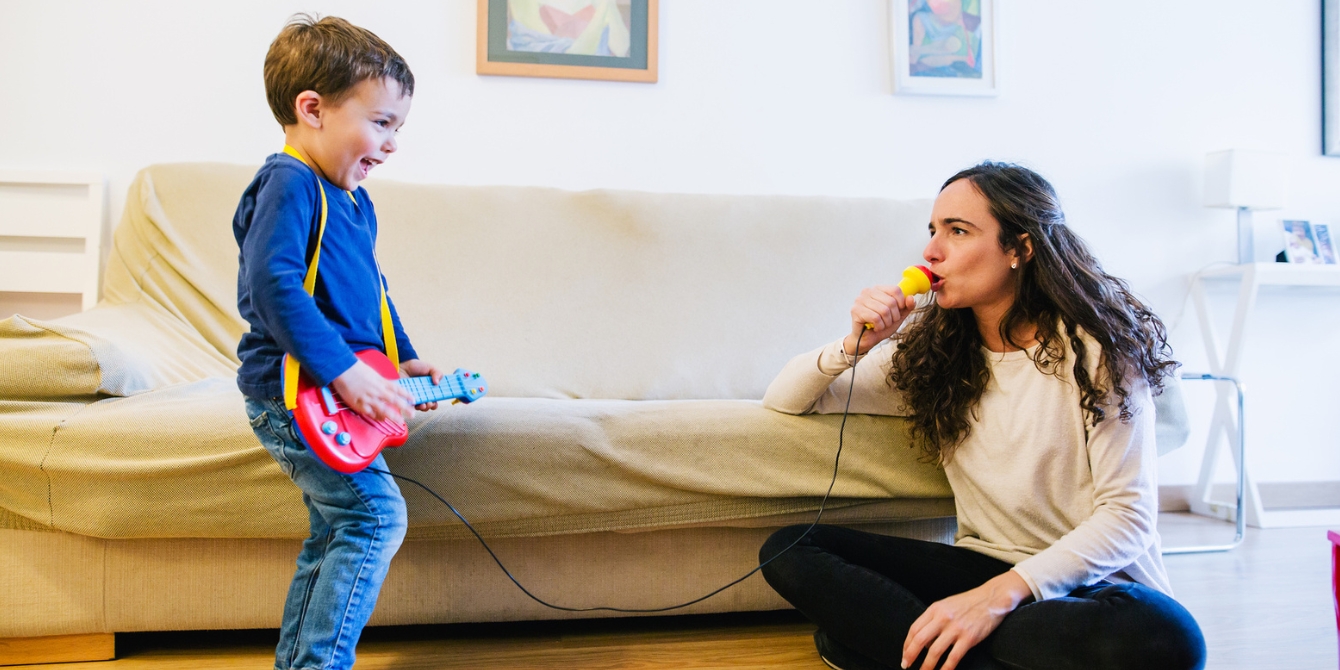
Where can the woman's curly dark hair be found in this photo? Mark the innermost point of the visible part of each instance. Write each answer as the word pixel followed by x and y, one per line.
pixel 939 366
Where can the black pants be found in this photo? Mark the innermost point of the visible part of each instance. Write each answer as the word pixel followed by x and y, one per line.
pixel 864 591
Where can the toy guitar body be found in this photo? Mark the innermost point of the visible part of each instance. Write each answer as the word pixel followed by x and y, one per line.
pixel 345 440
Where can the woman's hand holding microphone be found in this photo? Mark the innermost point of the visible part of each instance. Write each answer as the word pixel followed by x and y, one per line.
pixel 880 310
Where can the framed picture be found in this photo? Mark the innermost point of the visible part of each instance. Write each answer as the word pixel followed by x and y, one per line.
pixel 1330 77
pixel 1321 234
pixel 571 39
pixel 1299 244
pixel 944 47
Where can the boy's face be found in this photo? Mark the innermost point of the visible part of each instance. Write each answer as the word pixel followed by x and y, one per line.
pixel 359 133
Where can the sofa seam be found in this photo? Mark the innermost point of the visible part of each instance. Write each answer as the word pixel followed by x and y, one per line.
pixel 41 466
pixel 51 445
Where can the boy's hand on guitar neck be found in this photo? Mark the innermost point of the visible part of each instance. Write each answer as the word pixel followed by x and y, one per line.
pixel 371 395
pixel 417 368
pixel 350 434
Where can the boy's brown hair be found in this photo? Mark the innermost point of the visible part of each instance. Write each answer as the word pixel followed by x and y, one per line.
pixel 329 56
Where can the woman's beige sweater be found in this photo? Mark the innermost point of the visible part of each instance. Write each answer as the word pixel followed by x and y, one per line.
pixel 1068 504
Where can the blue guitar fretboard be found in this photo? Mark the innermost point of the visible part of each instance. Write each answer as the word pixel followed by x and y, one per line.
pixel 460 385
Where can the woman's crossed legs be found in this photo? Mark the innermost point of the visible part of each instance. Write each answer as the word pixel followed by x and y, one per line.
pixel 864 591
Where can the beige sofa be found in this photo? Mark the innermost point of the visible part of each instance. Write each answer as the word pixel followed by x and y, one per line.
pixel 621 459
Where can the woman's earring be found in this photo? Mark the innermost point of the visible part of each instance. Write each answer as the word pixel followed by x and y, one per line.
pixel 1014 265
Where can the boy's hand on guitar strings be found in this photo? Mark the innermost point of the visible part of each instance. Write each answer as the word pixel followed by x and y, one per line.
pixel 371 395
pixel 417 368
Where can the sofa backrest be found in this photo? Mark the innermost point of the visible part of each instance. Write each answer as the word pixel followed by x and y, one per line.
pixel 174 250
pixel 550 293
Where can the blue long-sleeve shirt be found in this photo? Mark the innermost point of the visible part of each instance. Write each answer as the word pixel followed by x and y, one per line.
pixel 276 228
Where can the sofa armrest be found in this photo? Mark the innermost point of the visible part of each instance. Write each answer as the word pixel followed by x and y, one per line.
pixel 1171 426
pixel 116 350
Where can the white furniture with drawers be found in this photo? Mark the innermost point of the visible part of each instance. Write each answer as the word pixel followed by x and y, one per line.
pixel 51 232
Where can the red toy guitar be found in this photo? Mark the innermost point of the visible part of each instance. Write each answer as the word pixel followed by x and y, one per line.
pixel 345 440
pixel 342 438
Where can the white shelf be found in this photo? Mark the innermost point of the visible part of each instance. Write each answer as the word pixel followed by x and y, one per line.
pixel 1277 274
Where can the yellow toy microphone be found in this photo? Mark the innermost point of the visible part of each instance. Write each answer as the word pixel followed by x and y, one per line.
pixel 916 280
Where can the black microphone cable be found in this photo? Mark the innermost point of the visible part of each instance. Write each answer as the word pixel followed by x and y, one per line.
pixel 822 503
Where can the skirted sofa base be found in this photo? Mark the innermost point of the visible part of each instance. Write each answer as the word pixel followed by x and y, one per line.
pixel 67 584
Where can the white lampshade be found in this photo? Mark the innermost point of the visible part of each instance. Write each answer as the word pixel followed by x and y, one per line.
pixel 1239 178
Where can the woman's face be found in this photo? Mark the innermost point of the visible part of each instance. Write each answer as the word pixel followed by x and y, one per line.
pixel 964 252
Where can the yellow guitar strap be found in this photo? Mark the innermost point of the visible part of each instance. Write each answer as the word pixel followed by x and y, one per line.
pixel 291 369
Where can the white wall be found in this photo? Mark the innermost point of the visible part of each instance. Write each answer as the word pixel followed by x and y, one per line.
pixel 1116 102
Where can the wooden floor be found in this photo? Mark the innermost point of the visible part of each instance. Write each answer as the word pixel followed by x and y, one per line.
pixel 1266 604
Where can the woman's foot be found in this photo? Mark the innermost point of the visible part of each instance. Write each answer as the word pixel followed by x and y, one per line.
pixel 839 657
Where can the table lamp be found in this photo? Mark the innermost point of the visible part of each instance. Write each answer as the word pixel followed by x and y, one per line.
pixel 1245 181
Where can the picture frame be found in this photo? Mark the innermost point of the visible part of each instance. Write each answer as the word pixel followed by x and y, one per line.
pixel 1321 234
pixel 1330 78
pixel 609 40
pixel 944 47
pixel 1300 245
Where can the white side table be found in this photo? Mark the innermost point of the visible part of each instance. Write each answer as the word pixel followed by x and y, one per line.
pixel 1251 277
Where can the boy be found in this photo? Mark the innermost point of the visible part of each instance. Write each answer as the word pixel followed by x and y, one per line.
pixel 340 93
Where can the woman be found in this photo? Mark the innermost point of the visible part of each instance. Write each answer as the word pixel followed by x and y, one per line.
pixel 1029 379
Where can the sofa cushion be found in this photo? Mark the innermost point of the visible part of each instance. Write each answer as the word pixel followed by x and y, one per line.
pixel 174 249
pixel 538 466
pixel 181 461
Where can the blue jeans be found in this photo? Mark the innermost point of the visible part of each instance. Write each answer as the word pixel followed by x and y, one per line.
pixel 357 523
pixel 864 591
